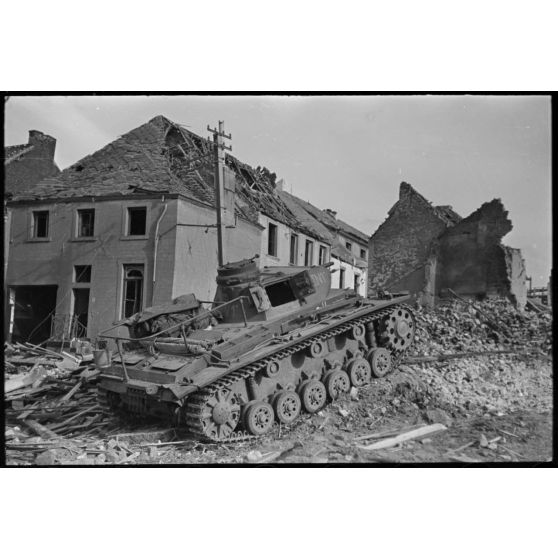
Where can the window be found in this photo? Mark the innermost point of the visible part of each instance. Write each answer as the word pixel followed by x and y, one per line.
pixel 272 239
pixel 309 253
pixel 86 222
pixel 40 224
pixel 349 246
pixel 132 290
pixel 293 257
pixel 323 255
pixel 341 278
pixel 137 219
pixel 363 253
pixel 82 274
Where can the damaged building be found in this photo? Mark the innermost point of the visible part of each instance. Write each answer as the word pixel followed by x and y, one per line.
pixel 133 225
pixel 427 250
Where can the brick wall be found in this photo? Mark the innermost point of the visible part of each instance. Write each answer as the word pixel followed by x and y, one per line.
pixel 400 247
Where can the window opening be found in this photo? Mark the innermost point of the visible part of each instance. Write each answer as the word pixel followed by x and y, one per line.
pixel 309 253
pixel 82 274
pixel 341 278
pixel 40 224
pixel 323 255
pixel 86 222
pixel 137 218
pixel 293 258
pixel 272 239
pixel 133 290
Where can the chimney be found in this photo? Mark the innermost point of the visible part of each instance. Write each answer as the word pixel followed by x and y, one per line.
pixel 44 144
pixel 281 185
pixel 331 212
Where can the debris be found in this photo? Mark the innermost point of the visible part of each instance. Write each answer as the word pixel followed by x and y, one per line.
pixel 405 437
pixel 354 393
pixel 344 413
pixel 47 457
pixel 254 456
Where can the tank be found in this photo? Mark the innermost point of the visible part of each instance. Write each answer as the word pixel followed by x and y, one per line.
pixel 274 343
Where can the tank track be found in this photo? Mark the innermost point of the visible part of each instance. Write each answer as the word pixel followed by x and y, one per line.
pixel 195 403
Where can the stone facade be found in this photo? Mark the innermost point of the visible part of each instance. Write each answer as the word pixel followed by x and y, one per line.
pixel 428 250
pixel 400 248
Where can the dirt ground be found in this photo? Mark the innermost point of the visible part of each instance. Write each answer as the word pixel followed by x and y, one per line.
pixel 465 396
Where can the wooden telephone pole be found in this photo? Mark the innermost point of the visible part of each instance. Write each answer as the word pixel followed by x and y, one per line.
pixel 219 150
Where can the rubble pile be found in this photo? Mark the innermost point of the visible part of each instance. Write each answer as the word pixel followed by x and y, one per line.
pixel 47 395
pixel 493 324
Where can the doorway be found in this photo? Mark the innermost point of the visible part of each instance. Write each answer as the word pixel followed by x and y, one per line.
pixel 81 313
pixel 33 311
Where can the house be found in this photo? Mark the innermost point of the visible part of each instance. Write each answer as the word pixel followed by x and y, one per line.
pixel 349 252
pixel 24 166
pixel 428 250
pixel 133 225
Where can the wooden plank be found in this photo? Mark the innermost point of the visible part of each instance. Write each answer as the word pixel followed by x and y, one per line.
pixel 405 437
pixel 39 429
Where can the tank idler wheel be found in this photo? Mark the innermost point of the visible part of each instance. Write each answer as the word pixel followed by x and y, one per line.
pixel 313 395
pixel 380 361
pixel 360 372
pixel 336 383
pixel 287 406
pixel 399 329
pixel 259 417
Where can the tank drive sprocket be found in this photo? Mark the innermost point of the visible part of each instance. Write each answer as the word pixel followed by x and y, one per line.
pixel 398 329
pixel 213 413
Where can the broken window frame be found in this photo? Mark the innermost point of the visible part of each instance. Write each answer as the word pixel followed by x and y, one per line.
pixel 309 253
pixel 322 255
pixel 272 239
pixel 130 210
pixel 293 254
pixel 363 253
pixel 349 246
pixel 89 211
pixel 133 276
pixel 43 213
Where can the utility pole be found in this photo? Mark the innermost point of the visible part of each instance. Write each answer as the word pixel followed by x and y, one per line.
pixel 219 151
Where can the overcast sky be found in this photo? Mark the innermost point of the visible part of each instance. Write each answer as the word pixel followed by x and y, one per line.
pixel 348 153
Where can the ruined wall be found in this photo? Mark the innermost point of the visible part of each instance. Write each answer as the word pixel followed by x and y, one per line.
pixel 400 247
pixel 473 262
pixel 32 167
pixel 517 275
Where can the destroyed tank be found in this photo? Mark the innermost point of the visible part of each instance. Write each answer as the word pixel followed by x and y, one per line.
pixel 274 343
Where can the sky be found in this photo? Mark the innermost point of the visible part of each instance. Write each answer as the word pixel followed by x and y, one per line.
pixel 347 153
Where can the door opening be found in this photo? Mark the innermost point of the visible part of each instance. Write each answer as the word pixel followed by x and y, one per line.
pixel 34 308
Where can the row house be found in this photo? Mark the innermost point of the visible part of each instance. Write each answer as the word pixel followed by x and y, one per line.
pixel 133 225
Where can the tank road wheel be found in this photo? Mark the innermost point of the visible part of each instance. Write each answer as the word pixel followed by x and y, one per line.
pixel 287 406
pixel 214 414
pixel 360 372
pixel 313 395
pixel 380 361
pixel 336 383
pixel 398 329
pixel 259 418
